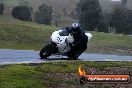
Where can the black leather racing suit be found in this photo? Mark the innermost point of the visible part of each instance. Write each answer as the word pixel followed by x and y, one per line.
pixel 80 42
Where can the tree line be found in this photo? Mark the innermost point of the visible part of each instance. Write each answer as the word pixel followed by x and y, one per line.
pixel 1 7
pixel 88 12
pixel 93 18
pixel 43 15
pixel 25 13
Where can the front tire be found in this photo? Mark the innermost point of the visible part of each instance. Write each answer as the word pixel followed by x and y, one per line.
pixel 45 51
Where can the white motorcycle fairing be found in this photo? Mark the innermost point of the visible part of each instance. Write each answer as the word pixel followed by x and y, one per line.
pixel 89 35
pixel 60 44
pixel 62 41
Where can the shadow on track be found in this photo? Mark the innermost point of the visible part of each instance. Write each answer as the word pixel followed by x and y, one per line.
pixel 53 59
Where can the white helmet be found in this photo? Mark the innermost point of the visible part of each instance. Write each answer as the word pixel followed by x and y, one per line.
pixel 75 25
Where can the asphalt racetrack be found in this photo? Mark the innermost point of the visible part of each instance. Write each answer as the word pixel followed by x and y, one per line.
pixel 8 56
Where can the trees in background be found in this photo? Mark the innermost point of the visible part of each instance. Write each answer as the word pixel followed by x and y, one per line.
pixel 121 20
pixel 89 13
pixel 22 13
pixel 118 19
pixel 91 17
pixel 44 14
pixel 103 27
pixel 24 3
pixel 1 7
pixel 65 12
pixel 73 15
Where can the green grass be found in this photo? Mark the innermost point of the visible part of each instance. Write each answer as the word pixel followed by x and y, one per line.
pixel 12 2
pixel 16 34
pixel 112 39
pixel 51 74
pixel 110 43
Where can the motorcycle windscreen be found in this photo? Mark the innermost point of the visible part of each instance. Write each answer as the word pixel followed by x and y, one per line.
pixel 64 33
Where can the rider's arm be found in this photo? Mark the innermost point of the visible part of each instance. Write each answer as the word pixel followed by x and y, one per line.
pixel 69 30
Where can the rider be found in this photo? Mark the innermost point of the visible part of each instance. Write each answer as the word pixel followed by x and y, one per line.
pixel 80 40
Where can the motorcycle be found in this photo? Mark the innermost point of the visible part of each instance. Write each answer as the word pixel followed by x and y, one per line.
pixel 59 44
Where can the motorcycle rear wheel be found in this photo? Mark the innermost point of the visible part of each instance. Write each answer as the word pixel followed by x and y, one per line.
pixel 72 57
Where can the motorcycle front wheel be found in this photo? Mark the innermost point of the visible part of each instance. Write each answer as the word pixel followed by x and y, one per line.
pixel 45 51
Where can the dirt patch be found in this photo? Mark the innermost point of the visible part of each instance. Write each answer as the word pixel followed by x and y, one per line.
pixel 71 80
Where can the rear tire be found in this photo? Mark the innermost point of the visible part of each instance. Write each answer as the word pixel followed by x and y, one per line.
pixel 72 57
